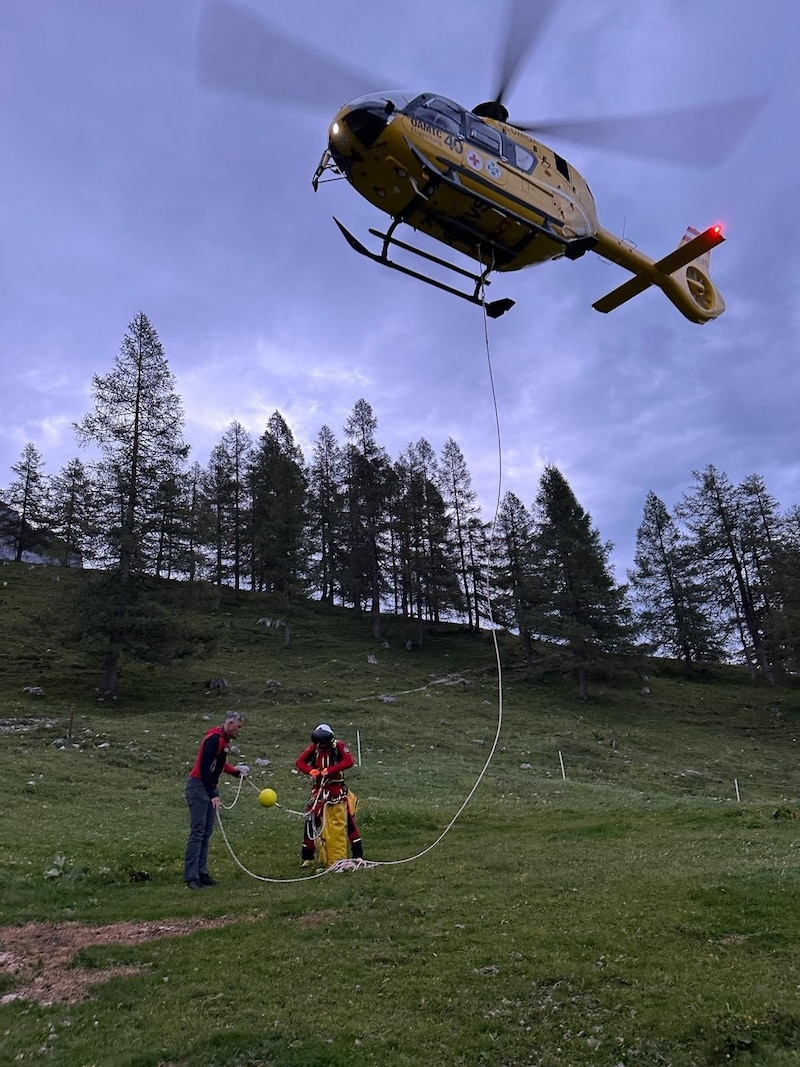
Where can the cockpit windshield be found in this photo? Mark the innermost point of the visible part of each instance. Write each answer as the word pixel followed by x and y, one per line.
pixel 439 112
pixel 398 98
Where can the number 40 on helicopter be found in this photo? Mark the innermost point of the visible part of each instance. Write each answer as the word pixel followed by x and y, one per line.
pixel 471 179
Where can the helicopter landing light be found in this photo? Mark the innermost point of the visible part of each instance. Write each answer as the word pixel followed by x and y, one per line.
pixel 335 128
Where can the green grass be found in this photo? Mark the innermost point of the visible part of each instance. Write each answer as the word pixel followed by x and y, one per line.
pixel 635 913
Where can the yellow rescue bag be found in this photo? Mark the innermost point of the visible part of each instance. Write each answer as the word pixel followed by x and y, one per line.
pixel 332 842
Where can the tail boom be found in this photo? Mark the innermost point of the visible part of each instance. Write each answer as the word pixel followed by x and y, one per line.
pixel 683 274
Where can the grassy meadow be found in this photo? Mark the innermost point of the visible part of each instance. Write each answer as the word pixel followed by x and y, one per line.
pixel 633 913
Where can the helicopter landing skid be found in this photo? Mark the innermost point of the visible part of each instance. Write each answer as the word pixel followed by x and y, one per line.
pixel 494 308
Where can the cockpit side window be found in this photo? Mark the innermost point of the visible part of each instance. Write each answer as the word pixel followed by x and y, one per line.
pixel 439 112
pixel 521 157
pixel 562 166
pixel 484 135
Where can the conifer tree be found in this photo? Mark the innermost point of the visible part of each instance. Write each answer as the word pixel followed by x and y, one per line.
pixel 511 569
pixel 194 557
pixel 423 574
pixel 226 489
pixel 27 496
pixel 575 604
pixel 727 533
pixel 368 490
pixel 326 514
pixel 72 511
pixel 672 600
pixel 278 488
pixel 137 424
pixel 468 533
pixel 784 593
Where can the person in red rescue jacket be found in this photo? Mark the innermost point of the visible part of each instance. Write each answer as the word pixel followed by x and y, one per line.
pixel 326 760
pixel 203 798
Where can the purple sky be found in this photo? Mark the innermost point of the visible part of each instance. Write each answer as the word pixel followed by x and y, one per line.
pixel 125 186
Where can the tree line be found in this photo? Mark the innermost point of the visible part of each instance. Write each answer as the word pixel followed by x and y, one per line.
pixel 717 578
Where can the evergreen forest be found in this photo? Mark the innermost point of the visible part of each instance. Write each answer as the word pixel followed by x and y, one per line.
pixel 717 579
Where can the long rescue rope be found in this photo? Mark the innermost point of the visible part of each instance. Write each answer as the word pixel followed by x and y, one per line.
pixel 343 865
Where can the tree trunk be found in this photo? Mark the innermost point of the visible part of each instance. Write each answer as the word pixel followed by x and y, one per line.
pixel 583 683
pixel 110 681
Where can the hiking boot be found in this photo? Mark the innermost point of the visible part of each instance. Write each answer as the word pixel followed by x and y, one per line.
pixel 206 879
pixel 194 884
pixel 306 864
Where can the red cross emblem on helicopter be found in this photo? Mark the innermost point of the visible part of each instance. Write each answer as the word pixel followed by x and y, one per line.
pixel 474 160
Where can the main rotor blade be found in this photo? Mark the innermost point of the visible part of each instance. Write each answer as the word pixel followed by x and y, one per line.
pixel 695 136
pixel 524 23
pixel 239 52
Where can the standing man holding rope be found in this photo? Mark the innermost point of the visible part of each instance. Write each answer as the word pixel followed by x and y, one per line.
pixel 329 815
pixel 203 798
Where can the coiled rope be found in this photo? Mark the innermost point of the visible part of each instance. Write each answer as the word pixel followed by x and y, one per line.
pixel 340 866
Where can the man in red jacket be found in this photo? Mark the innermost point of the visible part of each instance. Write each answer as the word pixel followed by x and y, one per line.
pixel 325 760
pixel 203 799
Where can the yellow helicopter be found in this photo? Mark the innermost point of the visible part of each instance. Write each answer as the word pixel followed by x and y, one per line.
pixel 469 178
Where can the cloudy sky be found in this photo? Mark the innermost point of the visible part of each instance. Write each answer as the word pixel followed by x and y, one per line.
pixel 126 186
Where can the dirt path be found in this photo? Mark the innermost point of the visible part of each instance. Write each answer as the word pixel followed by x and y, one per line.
pixel 40 955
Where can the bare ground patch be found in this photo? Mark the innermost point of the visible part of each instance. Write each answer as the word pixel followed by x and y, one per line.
pixel 322 917
pixel 19 725
pixel 40 955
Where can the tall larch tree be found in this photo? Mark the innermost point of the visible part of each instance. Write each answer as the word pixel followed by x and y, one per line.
pixel 137 424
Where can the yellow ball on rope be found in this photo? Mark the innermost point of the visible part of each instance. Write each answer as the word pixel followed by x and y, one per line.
pixel 267 797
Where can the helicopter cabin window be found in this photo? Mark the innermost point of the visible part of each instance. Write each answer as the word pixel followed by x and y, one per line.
pixel 562 166
pixel 521 157
pixel 484 135
pixel 440 113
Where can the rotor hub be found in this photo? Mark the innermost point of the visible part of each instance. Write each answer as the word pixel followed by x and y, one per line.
pixel 492 109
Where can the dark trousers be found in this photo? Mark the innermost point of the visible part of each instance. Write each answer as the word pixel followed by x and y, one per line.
pixel 202 817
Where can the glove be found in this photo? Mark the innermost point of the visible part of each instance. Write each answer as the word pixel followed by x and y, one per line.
pixel 243 769
pixel 315 772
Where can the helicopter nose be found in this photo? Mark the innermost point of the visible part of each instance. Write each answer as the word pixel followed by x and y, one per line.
pixel 359 125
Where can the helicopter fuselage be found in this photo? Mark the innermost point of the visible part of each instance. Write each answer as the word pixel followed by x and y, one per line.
pixel 482 187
